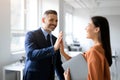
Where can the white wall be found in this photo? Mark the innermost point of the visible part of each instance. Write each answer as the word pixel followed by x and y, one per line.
pixel 114 21
pixel 5 56
pixel 80 21
pixel 81 18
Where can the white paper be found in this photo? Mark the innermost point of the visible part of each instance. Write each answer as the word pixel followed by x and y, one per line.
pixel 78 67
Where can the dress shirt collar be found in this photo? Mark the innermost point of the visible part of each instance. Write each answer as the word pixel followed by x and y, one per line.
pixel 45 33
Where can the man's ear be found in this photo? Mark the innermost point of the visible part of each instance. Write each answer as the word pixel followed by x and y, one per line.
pixel 43 20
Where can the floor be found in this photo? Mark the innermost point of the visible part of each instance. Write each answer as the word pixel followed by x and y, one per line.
pixel 115 71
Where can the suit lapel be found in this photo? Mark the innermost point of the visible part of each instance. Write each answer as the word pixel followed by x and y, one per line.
pixel 42 37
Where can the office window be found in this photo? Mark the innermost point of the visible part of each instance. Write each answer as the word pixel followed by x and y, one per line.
pixel 68 28
pixel 24 17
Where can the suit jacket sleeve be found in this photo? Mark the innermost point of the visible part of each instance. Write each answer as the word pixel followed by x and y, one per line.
pixel 59 68
pixel 36 48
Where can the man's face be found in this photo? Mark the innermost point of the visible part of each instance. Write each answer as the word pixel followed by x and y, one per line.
pixel 50 22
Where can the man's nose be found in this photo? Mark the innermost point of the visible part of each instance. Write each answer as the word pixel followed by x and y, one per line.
pixel 54 22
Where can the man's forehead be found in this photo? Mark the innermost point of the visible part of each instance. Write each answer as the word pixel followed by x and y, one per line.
pixel 50 15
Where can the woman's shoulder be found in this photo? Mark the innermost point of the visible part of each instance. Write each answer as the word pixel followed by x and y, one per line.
pixel 98 48
pixel 94 52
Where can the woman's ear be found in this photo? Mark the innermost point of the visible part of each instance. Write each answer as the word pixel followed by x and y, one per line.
pixel 97 29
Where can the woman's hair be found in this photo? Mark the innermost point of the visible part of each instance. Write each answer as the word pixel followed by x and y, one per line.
pixel 103 24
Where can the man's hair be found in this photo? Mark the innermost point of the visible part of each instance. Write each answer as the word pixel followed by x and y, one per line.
pixel 50 12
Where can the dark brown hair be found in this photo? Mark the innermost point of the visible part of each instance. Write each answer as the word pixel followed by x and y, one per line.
pixel 103 24
pixel 50 12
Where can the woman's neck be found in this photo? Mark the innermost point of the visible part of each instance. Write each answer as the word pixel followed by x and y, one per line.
pixel 97 42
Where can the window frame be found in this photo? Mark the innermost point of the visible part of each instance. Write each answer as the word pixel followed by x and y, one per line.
pixel 21 33
pixel 68 25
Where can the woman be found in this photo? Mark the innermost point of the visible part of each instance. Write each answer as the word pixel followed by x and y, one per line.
pixel 98 57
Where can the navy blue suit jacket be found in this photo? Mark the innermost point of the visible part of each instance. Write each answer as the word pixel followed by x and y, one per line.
pixel 40 58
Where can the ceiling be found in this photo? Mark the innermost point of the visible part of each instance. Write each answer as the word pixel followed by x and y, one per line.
pixel 93 3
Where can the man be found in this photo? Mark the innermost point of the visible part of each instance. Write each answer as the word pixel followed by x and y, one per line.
pixel 42 54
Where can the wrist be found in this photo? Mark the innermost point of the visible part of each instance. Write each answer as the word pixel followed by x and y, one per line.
pixel 55 49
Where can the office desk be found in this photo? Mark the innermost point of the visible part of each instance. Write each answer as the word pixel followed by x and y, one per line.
pixel 74 53
pixel 15 67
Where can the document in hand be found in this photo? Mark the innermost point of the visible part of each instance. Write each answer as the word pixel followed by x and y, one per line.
pixel 78 67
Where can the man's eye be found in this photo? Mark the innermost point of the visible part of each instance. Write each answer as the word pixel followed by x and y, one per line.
pixel 51 20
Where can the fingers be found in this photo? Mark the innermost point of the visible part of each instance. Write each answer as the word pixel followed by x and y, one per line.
pixel 60 36
pixel 61 47
pixel 68 70
pixel 58 41
pixel 67 74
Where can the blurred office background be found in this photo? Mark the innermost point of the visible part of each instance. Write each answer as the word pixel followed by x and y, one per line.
pixel 19 16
